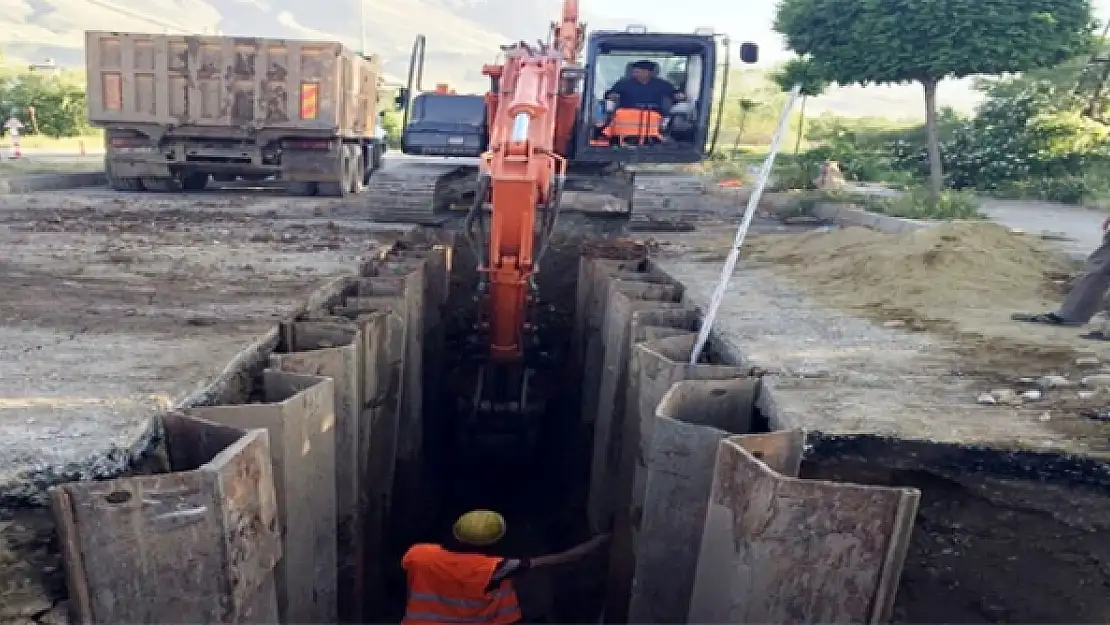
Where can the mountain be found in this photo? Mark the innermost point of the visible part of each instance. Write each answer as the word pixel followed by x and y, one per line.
pixel 462 34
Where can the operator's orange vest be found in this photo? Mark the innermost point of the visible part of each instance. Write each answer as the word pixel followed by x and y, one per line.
pixel 634 123
pixel 449 587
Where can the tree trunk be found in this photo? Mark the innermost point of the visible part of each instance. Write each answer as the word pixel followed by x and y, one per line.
pixel 739 132
pixel 936 168
pixel 801 126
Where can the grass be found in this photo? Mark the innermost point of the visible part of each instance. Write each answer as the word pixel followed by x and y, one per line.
pixel 24 167
pixel 60 144
pixel 915 204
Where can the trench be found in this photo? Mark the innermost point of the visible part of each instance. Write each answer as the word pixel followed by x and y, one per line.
pixel 997 537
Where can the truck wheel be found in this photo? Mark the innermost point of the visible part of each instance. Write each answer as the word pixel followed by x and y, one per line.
pixel 121 184
pixel 125 184
pixel 337 189
pixel 358 176
pixel 379 154
pixel 160 185
pixel 194 181
pixel 301 189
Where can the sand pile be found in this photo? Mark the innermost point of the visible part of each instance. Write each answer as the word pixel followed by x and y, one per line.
pixel 934 272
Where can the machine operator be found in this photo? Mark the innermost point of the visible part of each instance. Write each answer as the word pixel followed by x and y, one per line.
pixel 643 89
pixel 462 583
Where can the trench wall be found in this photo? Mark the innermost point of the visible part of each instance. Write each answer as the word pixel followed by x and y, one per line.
pixel 682 457
pixel 275 491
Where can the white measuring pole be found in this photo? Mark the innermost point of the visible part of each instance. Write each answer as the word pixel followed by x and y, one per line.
pixel 753 202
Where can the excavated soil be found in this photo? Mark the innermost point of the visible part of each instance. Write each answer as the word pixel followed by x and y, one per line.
pixel 961 280
pixel 931 274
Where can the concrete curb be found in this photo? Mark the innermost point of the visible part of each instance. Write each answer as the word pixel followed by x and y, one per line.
pixel 47 182
pixel 848 215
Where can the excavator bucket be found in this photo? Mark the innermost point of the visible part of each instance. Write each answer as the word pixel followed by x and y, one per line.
pixel 503 418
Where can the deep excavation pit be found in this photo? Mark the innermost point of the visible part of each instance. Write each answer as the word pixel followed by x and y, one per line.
pixel 633 440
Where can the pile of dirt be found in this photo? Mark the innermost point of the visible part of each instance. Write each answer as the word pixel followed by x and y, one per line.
pixel 931 273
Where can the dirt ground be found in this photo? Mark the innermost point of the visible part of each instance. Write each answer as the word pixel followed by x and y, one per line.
pixel 116 306
pixel 1002 535
pixel 960 284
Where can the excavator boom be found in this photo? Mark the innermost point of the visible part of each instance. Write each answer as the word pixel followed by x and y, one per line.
pixel 543 127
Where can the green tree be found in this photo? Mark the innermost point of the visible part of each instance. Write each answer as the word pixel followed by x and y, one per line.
pixel 925 41
pixel 745 107
pixel 810 76
pixel 48 104
pixel 391 123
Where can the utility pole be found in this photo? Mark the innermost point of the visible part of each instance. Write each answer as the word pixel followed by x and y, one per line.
pixel 361 27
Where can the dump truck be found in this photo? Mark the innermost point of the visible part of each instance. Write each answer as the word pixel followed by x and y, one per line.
pixel 180 110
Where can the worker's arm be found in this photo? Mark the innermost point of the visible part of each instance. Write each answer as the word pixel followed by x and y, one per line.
pixel 618 88
pixel 510 568
pixel 571 555
pixel 671 91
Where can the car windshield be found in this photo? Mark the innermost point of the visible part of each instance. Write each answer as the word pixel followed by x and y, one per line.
pixel 469 110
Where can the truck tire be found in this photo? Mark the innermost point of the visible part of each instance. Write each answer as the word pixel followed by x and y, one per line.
pixel 378 155
pixel 121 184
pixel 341 188
pixel 161 185
pixel 125 184
pixel 301 189
pixel 358 176
pixel 194 181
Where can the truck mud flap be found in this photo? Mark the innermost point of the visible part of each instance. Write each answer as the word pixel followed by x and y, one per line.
pixel 779 549
pixel 196 545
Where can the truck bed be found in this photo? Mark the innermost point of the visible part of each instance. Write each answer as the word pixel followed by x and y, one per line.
pixel 218 81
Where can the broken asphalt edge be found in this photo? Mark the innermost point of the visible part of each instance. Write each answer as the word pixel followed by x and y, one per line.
pixel 52 181
pixel 29 489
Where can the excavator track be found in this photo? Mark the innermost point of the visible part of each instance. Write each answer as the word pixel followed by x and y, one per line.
pixel 419 192
pixel 668 200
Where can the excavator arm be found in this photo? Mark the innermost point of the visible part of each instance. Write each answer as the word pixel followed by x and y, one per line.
pixel 531 114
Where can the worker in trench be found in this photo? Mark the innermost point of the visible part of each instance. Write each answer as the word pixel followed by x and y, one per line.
pixel 1086 297
pixel 464 582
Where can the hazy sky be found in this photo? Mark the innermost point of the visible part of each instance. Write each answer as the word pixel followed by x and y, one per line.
pixel 747 20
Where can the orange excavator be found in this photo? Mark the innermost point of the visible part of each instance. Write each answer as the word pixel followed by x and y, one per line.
pixel 546 127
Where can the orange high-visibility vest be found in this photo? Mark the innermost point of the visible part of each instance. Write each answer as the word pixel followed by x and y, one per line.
pixel 449 587
pixel 634 123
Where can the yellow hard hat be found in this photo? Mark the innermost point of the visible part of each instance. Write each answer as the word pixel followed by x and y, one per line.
pixel 480 528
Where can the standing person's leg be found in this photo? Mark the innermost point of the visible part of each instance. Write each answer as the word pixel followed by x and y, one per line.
pixel 1084 300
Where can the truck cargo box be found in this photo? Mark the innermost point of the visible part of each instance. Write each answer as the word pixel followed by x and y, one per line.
pixel 208 82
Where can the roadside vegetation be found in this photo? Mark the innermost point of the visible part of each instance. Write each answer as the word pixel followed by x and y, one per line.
pixel 1031 138
pixel 1034 136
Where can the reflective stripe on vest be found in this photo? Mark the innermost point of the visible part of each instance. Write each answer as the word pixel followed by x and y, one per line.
pixel 634 123
pixel 448 587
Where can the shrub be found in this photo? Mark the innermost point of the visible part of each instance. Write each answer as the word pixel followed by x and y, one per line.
pixel 915 204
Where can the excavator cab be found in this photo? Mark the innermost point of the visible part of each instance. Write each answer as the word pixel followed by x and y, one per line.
pixel 678 128
pixel 446 124
pixel 440 122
